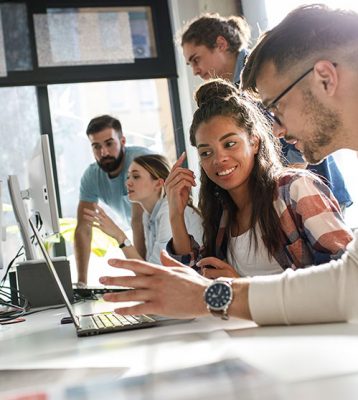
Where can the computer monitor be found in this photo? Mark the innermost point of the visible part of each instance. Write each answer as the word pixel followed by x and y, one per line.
pixel 38 200
pixel 1 227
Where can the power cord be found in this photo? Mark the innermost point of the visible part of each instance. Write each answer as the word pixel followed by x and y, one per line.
pixel 18 254
pixel 9 311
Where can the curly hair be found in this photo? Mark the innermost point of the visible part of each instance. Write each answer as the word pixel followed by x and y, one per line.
pixel 221 98
pixel 205 29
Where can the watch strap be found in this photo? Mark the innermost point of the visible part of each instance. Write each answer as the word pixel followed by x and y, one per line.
pixel 125 243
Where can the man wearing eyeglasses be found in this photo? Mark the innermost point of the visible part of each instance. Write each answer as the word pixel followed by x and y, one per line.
pixel 305 71
pixel 212 48
pixel 326 168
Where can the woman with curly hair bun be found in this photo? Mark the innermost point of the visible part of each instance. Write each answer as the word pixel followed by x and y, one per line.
pixel 259 217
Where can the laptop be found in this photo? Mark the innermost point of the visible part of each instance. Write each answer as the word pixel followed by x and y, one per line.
pixel 105 322
pixel 91 291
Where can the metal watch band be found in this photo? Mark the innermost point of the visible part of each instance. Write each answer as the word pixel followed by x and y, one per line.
pixel 221 313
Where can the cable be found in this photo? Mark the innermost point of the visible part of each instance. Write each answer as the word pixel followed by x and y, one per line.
pixel 18 254
pixel 44 309
pixel 15 310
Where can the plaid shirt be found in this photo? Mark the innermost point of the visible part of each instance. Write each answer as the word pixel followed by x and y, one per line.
pixel 311 223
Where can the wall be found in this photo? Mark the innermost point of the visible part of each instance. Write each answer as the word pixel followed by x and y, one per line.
pixel 183 11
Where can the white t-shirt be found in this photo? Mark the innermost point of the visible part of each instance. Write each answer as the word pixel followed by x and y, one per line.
pixel 246 260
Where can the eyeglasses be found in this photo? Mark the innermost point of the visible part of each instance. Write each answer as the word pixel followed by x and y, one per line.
pixel 269 109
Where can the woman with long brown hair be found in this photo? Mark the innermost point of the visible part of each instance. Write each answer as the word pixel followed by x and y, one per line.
pixel 145 186
pixel 257 215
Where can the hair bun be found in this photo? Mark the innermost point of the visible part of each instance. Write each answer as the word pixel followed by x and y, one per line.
pixel 213 90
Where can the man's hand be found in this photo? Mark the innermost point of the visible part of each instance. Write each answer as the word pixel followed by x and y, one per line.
pixel 175 292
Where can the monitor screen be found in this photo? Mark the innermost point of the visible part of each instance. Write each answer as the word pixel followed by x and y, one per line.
pixel 38 201
pixel 41 189
pixel 1 227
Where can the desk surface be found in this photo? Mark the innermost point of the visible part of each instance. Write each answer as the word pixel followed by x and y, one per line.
pixel 310 362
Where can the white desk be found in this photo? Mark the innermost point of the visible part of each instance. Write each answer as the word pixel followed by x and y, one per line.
pixel 309 362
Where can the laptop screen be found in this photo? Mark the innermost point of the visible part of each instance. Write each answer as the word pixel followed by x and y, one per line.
pixel 53 272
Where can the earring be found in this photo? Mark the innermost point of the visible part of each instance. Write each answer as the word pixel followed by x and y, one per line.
pixel 217 192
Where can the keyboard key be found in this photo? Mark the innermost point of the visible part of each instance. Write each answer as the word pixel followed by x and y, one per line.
pixel 96 319
pixel 123 320
pixel 131 319
pixel 106 322
pixel 115 321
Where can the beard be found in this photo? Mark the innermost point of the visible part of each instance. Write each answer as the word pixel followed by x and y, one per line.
pixel 325 125
pixel 109 164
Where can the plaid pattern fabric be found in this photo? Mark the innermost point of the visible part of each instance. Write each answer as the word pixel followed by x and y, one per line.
pixel 312 225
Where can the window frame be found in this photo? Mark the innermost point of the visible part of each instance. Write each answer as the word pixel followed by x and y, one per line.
pixel 161 66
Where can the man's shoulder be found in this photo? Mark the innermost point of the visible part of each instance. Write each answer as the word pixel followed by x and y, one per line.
pixel 91 169
pixel 133 152
pixel 295 185
pixel 137 150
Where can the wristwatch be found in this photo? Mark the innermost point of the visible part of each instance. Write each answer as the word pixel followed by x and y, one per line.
pixel 218 297
pixel 126 243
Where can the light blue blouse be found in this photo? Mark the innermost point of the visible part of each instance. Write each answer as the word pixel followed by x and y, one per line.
pixel 157 229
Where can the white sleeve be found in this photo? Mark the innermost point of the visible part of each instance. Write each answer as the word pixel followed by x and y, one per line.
pixel 194 225
pixel 323 293
pixel 162 236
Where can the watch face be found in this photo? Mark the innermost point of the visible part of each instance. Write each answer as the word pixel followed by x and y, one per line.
pixel 126 243
pixel 218 295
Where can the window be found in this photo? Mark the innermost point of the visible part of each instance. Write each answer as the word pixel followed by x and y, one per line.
pixel 73 105
pixel 61 64
pixel 19 132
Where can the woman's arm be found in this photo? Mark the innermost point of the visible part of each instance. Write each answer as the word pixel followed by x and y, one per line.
pixel 99 219
pixel 137 229
pixel 177 187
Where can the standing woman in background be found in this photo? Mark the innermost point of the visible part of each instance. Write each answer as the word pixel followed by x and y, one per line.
pixel 145 185
pixel 216 46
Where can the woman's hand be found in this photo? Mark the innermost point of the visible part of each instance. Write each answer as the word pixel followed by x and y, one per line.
pixel 177 187
pixel 99 219
pixel 212 267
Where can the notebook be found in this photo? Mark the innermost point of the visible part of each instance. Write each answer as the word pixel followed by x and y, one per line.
pixel 105 322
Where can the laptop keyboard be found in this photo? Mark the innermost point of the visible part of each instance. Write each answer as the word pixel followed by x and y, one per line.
pixel 113 320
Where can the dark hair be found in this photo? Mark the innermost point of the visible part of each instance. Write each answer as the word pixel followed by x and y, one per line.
pixel 307 34
pixel 205 29
pixel 157 165
pixel 102 122
pixel 221 98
